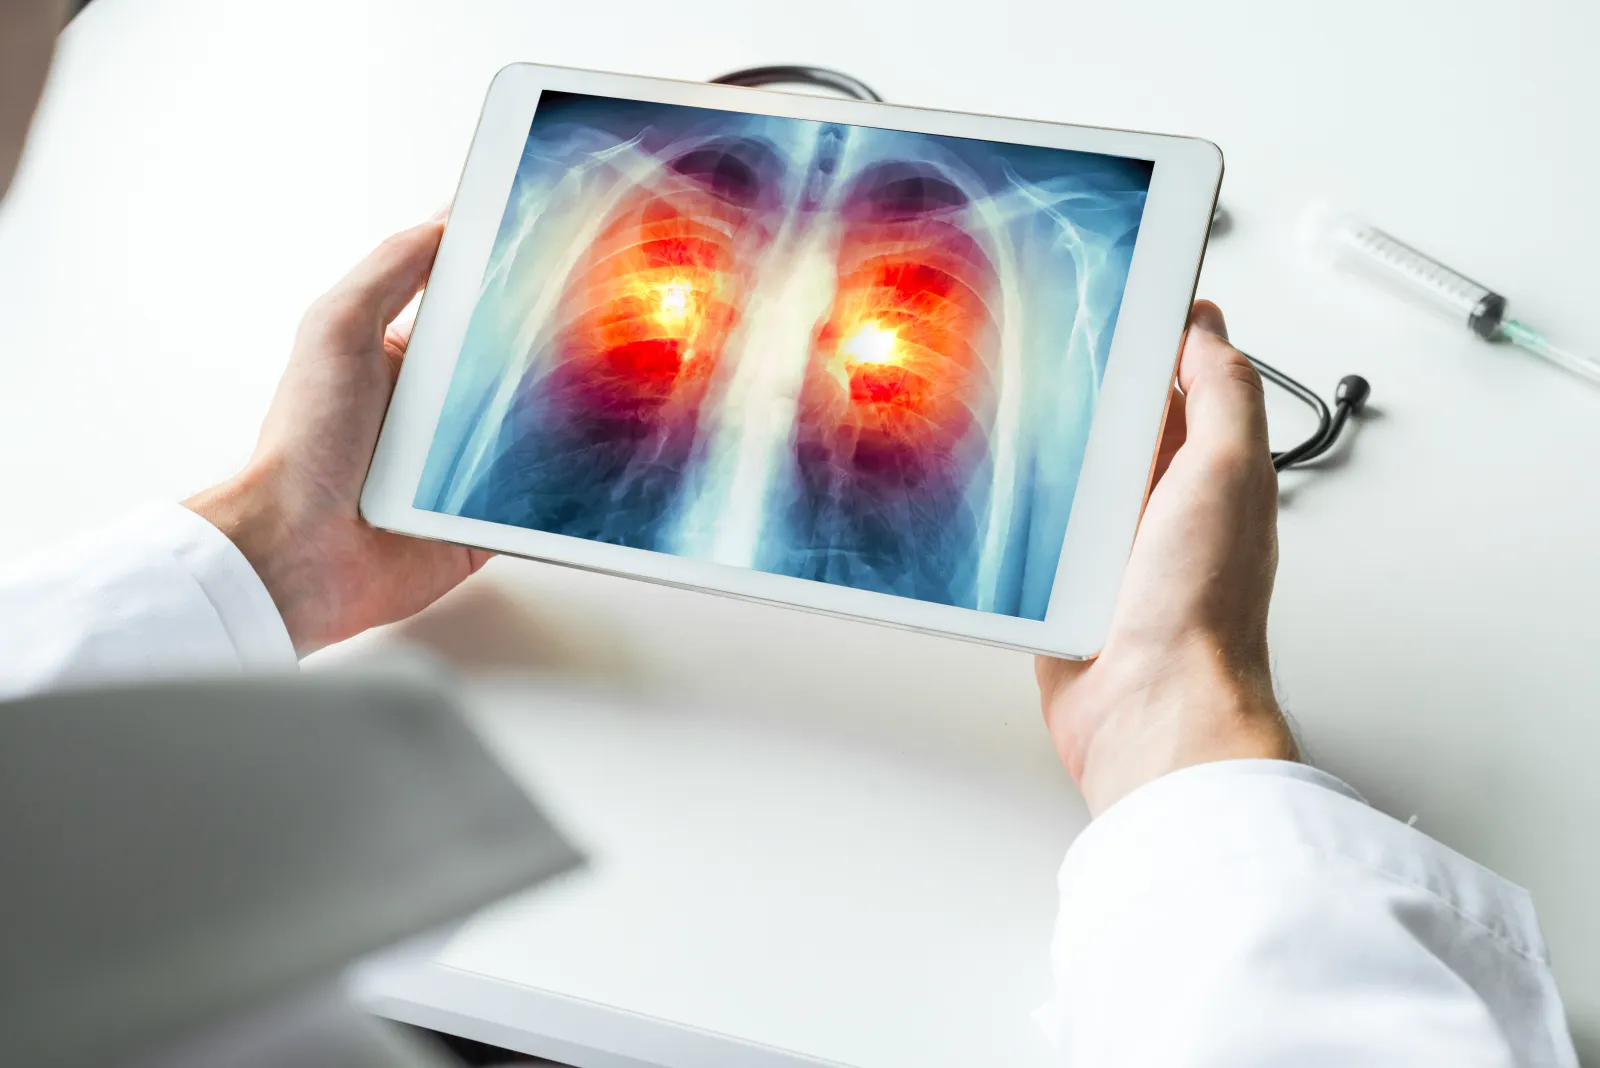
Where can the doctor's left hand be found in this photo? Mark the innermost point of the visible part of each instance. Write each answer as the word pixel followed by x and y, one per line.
pixel 292 511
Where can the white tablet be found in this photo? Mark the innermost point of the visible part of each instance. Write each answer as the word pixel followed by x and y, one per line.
pixel 902 365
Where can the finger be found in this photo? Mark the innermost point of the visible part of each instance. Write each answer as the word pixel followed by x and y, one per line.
pixel 398 337
pixel 384 283
pixel 1173 431
pixel 1208 317
pixel 395 343
pixel 1224 403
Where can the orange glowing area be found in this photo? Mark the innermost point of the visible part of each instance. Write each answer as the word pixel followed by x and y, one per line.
pixel 871 343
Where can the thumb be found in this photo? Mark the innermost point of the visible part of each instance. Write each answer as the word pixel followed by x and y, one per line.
pixel 1224 402
pixel 384 283
pixel 1208 317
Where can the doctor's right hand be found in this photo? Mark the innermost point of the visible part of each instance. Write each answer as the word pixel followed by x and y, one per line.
pixel 1184 677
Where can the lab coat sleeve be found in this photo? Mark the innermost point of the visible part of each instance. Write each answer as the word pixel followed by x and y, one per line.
pixel 159 594
pixel 1256 913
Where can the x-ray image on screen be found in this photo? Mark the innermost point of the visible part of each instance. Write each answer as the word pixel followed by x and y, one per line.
pixel 858 356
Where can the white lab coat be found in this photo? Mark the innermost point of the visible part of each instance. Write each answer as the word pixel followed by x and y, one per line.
pixel 1247 913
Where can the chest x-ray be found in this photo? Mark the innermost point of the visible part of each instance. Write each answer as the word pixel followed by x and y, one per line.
pixel 852 355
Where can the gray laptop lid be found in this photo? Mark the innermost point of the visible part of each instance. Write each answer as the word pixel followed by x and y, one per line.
pixel 171 855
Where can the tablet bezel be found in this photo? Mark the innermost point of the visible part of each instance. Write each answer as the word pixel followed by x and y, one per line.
pixel 1128 413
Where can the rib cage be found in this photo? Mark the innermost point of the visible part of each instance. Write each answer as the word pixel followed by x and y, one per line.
pixel 666 351
pixel 645 321
pixel 601 434
pixel 923 283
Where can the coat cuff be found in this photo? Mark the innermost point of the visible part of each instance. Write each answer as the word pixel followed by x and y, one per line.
pixel 1212 812
pixel 242 603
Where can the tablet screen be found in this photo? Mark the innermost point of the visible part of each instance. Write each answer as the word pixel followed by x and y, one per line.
pixel 854 355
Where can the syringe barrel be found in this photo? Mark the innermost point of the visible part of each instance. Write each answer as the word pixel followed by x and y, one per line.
pixel 1348 241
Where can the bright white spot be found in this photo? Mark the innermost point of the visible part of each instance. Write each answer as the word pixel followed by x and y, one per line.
pixel 870 343
pixel 675 300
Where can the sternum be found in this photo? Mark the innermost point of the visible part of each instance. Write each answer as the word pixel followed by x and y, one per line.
pixel 752 419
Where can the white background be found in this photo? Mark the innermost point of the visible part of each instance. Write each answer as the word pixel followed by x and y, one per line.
pixel 204 169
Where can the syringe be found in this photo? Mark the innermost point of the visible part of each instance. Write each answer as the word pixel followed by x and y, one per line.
pixel 1337 238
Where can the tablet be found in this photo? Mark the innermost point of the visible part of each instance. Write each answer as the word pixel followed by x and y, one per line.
pixel 902 365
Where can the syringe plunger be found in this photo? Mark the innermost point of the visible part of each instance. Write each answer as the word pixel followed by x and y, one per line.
pixel 1346 241
pixel 1343 240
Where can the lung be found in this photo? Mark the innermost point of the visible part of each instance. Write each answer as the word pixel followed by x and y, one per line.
pixel 860 356
pixel 597 443
pixel 899 400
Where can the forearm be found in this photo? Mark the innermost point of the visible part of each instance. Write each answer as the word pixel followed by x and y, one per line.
pixel 254 512
pixel 158 593
pixel 1258 912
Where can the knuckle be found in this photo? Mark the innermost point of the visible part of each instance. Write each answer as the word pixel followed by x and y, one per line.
pixel 315 320
pixel 1231 458
pixel 1238 368
pixel 397 241
pixel 333 309
pixel 335 317
pixel 326 306
pixel 1239 461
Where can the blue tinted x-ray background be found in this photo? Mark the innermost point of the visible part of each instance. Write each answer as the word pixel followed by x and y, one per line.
pixel 858 356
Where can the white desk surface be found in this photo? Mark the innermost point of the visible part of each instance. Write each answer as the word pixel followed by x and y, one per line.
pixel 842 841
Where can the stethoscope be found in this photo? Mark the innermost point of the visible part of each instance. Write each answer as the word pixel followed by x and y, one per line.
pixel 1348 399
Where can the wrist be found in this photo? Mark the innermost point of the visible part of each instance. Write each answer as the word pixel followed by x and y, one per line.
pixel 249 509
pixel 1131 725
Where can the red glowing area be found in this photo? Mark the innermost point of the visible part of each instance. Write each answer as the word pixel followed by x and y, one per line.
pixel 904 333
pixel 657 292
pixel 899 365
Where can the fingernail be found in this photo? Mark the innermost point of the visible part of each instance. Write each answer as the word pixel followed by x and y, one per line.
pixel 1208 317
pixel 441 215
